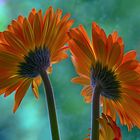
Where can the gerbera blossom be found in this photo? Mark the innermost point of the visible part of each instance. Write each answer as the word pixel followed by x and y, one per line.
pixel 108 129
pixel 103 62
pixel 28 46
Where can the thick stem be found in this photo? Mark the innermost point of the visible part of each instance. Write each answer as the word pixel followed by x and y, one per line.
pixel 95 113
pixel 51 106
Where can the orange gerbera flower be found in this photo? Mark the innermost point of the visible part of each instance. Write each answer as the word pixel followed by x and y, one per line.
pixel 108 129
pixel 28 46
pixel 103 61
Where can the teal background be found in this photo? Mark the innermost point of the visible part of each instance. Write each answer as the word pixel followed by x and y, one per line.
pixel 31 122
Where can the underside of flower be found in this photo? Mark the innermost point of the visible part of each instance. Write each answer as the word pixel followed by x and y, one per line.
pixel 34 62
pixel 29 46
pixel 107 80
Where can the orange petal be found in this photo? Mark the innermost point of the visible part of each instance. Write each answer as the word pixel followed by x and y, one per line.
pixel 79 39
pixel 17 28
pixel 138 69
pixel 131 55
pixel 35 89
pixel 2 39
pixel 87 91
pixel 81 80
pixel 128 65
pixel 49 70
pixel 14 41
pixel 20 93
pixel 99 43
pixel 9 82
pixel 20 19
pixel 129 76
pixel 114 55
pixel 58 57
pixel 82 68
pixel 11 89
pixel 52 27
pixel 40 17
pixel 37 30
pixel 47 19
pixel 81 62
pixel 2 91
pixel 38 80
pixel 28 35
pixel 32 16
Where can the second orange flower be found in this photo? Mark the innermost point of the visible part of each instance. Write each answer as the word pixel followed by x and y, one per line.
pixel 103 62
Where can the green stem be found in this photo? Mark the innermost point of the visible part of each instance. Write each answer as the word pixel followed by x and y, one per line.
pixel 51 105
pixel 95 113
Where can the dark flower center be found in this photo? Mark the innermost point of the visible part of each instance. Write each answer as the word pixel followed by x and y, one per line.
pixel 107 80
pixel 35 61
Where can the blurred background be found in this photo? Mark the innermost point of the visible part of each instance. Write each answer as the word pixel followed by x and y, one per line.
pixel 30 122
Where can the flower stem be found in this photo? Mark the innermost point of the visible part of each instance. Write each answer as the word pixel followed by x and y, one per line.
pixel 51 105
pixel 95 113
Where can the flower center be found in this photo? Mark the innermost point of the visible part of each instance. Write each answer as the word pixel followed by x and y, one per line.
pixel 107 80
pixel 35 61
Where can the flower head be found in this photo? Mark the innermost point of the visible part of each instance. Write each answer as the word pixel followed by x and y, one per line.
pixel 108 129
pixel 28 46
pixel 103 62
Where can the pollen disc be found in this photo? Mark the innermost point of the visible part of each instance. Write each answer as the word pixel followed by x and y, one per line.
pixel 107 79
pixel 34 62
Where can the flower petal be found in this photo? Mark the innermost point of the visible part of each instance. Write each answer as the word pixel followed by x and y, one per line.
pixel 20 93
pixel 35 89
pixel 131 55
pixel 81 80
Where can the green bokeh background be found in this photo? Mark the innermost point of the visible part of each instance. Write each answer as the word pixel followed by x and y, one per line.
pixel 31 122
